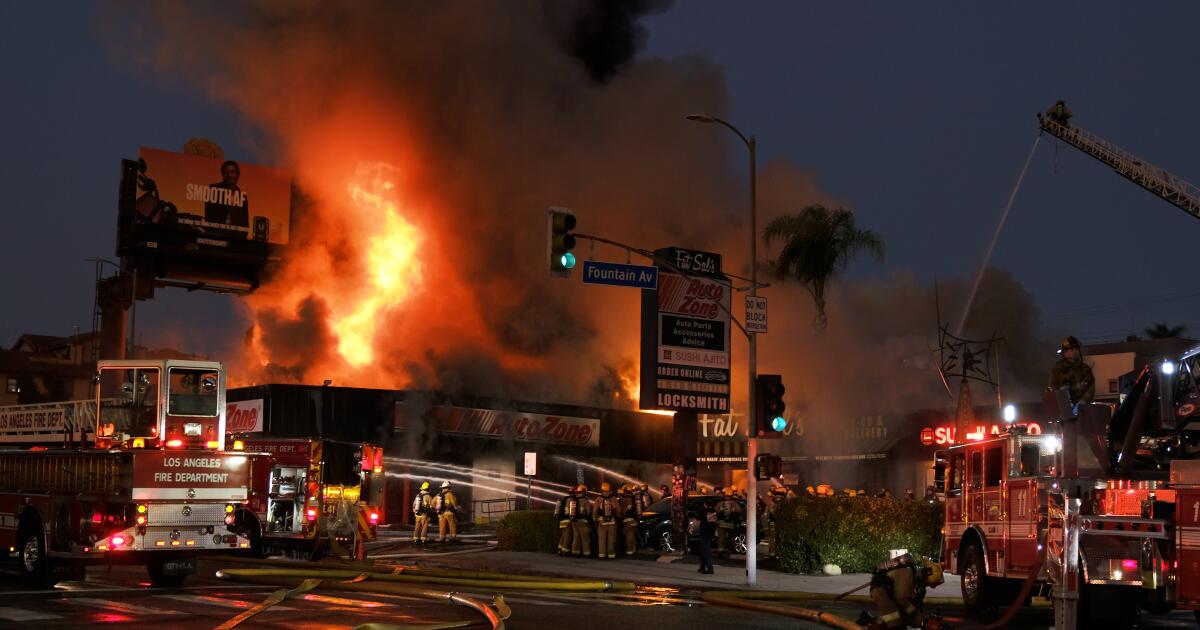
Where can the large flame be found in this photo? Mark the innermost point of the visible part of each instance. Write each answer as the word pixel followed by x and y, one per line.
pixel 393 267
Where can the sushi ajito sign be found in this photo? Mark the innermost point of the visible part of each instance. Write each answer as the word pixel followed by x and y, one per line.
pixel 946 435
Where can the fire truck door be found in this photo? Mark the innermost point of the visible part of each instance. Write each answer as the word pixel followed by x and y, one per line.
pixel 1187 589
pixel 1022 524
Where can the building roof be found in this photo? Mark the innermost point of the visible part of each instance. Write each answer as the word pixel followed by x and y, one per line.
pixel 1171 346
pixel 14 362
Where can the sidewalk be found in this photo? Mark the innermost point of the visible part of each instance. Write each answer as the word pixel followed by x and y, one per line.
pixel 644 570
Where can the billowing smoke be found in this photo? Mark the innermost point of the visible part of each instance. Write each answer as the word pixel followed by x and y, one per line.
pixel 430 138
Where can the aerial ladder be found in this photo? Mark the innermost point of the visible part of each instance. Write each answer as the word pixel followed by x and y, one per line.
pixel 1179 192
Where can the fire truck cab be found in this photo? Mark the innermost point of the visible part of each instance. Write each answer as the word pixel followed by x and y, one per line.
pixel 312 496
pixel 137 475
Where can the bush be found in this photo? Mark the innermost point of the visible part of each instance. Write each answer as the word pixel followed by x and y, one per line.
pixel 528 530
pixel 854 533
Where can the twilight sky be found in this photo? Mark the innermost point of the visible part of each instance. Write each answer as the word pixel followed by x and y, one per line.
pixel 918 116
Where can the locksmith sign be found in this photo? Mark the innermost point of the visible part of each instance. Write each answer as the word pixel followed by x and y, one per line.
pixel 685 334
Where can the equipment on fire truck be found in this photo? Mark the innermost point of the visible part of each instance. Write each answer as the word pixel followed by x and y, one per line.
pixel 137 475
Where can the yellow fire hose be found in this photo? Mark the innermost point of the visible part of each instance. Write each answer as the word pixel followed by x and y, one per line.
pixel 429 576
pixel 767 601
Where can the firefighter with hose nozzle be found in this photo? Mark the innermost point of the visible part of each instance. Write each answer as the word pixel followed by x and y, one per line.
pixel 628 500
pixel 605 513
pixel 898 590
pixel 566 532
pixel 447 510
pixel 422 509
pixel 580 510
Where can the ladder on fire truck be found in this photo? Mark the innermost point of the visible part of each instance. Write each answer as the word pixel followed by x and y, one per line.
pixel 1178 192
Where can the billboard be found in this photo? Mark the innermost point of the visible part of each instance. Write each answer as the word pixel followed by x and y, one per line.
pixel 244 416
pixel 195 205
pixel 685 334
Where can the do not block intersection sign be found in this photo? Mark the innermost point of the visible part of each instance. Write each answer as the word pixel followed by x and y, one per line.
pixel 756 314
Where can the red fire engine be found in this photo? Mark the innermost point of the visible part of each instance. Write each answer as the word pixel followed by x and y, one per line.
pixel 1133 479
pixel 138 475
pixel 311 496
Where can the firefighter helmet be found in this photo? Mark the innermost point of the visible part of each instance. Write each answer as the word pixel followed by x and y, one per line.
pixel 729 491
pixel 424 485
pixel 605 487
pixel 445 484
pixel 933 573
pixel 581 488
pixel 1069 342
pixel 811 490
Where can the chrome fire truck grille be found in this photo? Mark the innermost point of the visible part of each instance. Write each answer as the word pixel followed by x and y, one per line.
pixel 191 514
pixel 1112 560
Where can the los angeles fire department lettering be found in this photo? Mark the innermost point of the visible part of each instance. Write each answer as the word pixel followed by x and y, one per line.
pixel 190 476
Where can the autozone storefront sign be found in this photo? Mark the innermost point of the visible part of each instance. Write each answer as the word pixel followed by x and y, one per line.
pixel 244 416
pixel 522 427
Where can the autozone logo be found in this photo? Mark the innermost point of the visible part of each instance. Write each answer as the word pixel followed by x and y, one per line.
pixel 524 427
pixel 244 416
pixel 694 297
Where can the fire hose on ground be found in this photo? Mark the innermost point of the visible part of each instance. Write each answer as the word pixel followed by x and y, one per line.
pixel 768 601
pixel 404 581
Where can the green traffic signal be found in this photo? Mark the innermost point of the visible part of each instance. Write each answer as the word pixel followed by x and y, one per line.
pixel 561 241
pixel 778 423
pixel 769 420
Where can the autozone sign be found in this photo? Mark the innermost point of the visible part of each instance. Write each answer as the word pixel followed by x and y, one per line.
pixel 244 416
pixel 685 335
pixel 522 427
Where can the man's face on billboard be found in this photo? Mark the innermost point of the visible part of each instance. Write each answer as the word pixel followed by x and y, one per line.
pixel 230 174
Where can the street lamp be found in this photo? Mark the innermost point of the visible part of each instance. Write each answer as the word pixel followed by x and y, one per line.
pixel 752 359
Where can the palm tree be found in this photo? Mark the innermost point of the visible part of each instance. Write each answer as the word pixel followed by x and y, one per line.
pixel 818 244
pixel 1163 331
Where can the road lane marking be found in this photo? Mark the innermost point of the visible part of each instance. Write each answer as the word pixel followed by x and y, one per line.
pixel 17 614
pixel 138 609
pixel 212 600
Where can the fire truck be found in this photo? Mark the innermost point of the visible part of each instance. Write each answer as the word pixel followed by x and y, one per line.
pixel 137 475
pixel 311 496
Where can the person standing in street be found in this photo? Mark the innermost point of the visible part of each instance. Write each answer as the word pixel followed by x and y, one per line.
pixel 581 516
pixel 604 513
pixel 707 530
pixel 729 514
pixel 447 511
pixel 627 499
pixel 422 509
pixel 564 523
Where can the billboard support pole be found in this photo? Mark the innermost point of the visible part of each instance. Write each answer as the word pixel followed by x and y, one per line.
pixel 133 317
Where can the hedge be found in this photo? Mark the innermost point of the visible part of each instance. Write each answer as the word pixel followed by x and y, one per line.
pixel 854 533
pixel 528 530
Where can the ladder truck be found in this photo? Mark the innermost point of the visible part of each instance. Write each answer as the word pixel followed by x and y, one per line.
pixel 138 474
pixel 1103 512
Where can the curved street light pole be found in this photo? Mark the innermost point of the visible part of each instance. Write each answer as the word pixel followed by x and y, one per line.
pixel 752 360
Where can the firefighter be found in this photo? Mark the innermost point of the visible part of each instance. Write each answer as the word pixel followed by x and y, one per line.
pixel 898 590
pixel 1060 113
pixel 564 523
pixel 447 511
pixel 605 512
pixel 644 498
pixel 422 509
pixel 627 498
pixel 729 514
pixel 581 517
pixel 1071 372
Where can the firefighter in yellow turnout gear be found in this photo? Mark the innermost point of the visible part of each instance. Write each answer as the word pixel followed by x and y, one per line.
pixel 898 590
pixel 580 510
pixel 629 501
pixel 566 531
pixel 729 513
pixel 605 512
pixel 422 509
pixel 447 511
pixel 777 496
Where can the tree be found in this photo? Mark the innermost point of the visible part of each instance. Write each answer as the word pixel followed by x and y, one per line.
pixel 1163 331
pixel 818 244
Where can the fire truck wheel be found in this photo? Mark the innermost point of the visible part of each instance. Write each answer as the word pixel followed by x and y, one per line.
pixel 160 579
pixel 975 583
pixel 31 541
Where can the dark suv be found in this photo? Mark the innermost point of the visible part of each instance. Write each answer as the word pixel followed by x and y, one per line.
pixel 655 531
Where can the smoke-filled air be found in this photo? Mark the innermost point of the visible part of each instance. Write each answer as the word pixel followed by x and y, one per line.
pixel 427 141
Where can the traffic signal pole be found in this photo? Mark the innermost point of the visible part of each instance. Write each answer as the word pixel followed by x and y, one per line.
pixel 752 360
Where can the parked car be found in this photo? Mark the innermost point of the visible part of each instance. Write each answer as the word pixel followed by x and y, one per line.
pixel 655 530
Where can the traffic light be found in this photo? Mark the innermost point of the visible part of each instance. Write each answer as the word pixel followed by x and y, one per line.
pixel 768 406
pixel 767 467
pixel 561 241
